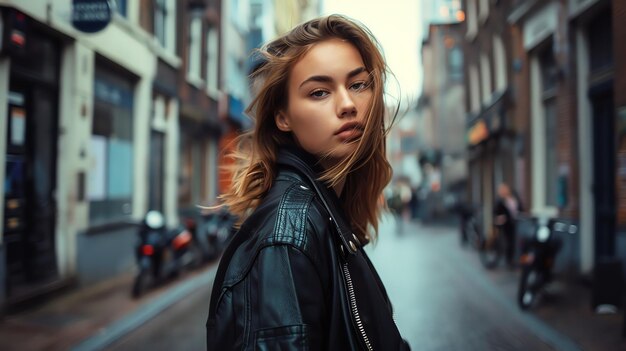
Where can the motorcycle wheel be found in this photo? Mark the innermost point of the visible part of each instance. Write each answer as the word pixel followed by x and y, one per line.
pixel 527 293
pixel 141 283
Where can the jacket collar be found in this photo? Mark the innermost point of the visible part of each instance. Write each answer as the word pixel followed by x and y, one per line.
pixel 308 166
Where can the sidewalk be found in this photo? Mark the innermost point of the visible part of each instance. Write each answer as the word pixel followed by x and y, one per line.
pixel 565 306
pixel 93 317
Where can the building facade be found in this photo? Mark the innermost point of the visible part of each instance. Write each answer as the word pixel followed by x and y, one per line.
pixel 492 135
pixel 440 129
pixel 96 134
pixel 560 142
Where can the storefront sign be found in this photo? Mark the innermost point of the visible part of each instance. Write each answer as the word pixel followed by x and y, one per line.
pixel 91 16
pixel 478 133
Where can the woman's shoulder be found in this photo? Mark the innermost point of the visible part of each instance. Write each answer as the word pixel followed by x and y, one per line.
pixel 289 215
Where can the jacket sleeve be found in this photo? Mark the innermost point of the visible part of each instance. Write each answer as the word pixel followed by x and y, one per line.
pixel 287 301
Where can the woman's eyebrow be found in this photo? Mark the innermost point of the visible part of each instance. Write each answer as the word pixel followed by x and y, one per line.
pixel 328 79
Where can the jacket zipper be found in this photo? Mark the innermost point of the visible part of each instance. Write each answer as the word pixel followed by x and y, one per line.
pixel 353 308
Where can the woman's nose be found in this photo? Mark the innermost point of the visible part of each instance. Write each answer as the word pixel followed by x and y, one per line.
pixel 345 104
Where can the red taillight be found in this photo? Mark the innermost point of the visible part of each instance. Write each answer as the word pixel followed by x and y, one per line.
pixel 147 250
pixel 18 38
pixel 181 240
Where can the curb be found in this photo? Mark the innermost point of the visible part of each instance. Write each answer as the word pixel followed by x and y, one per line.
pixel 151 308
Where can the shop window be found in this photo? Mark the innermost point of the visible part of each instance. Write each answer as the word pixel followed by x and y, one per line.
pixel 110 183
pixel 121 7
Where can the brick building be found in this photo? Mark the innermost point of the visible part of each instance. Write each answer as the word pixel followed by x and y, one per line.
pixel 564 103
pixel 493 135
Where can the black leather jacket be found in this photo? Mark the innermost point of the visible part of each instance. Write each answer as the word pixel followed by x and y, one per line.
pixel 295 278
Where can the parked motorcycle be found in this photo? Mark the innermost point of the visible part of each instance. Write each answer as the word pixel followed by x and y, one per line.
pixel 161 253
pixel 216 230
pixel 538 256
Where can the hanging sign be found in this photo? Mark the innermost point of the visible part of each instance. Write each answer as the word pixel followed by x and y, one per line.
pixel 91 16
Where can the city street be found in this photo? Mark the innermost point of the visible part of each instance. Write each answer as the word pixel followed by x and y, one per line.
pixel 443 300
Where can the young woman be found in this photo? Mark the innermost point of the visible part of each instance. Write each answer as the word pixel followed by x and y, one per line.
pixel 307 184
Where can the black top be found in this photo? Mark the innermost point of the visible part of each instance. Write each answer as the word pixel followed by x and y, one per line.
pixel 294 277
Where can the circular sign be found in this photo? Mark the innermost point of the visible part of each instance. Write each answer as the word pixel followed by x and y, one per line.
pixel 91 16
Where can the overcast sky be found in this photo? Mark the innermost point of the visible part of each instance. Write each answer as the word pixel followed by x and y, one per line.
pixel 397 26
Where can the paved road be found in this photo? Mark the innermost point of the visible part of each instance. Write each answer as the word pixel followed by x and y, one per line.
pixel 180 327
pixel 442 298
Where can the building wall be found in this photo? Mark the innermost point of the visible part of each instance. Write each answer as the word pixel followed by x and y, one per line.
pixel 127 46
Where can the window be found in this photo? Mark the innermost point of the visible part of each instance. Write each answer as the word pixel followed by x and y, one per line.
pixel 474 89
pixel 483 11
pixel 548 96
pixel 160 16
pixel 157 154
pixel 472 25
pixel 190 166
pixel 455 64
pixel 485 78
pixel 111 172
pixel 165 24
pixel 499 57
pixel 195 44
pixel 121 7
pixel 549 108
pixel 212 61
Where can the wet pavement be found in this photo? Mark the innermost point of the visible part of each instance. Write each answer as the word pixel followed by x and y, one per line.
pixel 443 298
pixel 446 300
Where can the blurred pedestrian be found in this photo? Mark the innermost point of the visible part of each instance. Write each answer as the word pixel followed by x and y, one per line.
pixel 307 187
pixel 508 206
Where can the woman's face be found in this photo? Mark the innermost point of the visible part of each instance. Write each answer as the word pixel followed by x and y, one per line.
pixel 329 92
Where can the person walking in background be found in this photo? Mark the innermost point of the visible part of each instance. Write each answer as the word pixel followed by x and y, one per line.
pixel 507 208
pixel 307 184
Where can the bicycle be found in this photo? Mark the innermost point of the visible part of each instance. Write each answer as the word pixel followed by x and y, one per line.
pixel 493 248
pixel 470 228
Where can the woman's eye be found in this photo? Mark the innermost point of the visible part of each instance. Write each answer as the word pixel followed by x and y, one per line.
pixel 318 94
pixel 358 86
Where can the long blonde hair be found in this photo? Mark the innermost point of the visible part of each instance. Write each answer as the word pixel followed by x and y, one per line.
pixel 366 170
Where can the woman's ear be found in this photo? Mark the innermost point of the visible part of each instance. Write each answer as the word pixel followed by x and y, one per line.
pixel 282 122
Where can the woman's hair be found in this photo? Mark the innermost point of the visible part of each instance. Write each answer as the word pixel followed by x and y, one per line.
pixel 366 170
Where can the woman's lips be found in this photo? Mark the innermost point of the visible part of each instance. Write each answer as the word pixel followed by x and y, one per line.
pixel 350 134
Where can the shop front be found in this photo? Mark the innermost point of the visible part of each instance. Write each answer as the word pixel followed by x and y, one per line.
pixel 30 158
